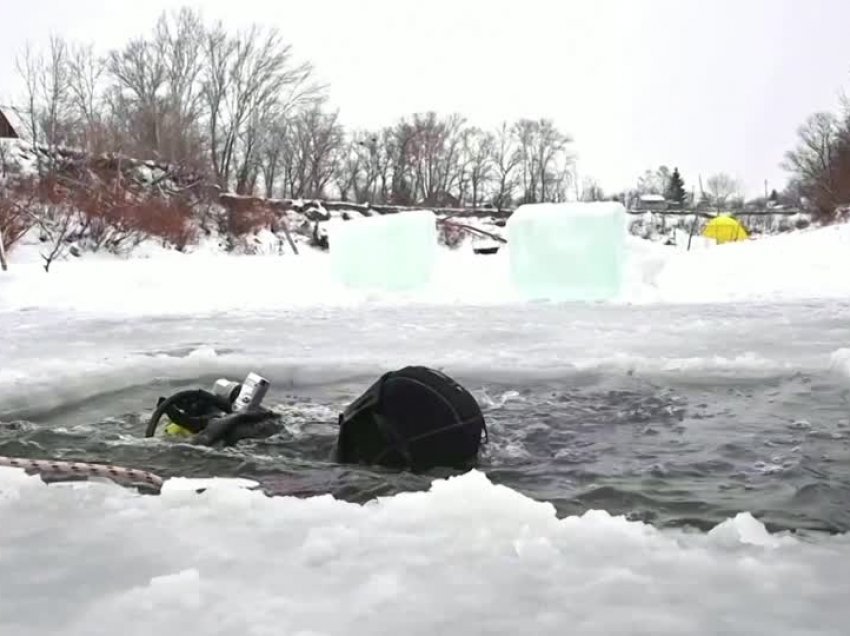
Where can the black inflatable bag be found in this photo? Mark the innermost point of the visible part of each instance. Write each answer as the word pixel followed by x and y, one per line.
pixel 415 418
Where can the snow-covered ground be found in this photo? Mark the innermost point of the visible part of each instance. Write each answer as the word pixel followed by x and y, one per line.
pixel 794 266
pixel 467 557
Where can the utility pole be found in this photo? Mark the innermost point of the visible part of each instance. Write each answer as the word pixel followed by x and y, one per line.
pixel 696 213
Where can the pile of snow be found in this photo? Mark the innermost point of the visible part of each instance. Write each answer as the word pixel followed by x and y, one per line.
pixel 800 265
pixel 467 557
pixel 794 266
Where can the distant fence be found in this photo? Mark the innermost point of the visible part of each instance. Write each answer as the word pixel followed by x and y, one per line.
pixel 710 213
pixel 307 206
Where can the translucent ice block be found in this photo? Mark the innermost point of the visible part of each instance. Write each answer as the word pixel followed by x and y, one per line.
pixel 568 251
pixel 392 252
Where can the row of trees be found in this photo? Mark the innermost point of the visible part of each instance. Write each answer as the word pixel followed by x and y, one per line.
pixel 719 191
pixel 239 109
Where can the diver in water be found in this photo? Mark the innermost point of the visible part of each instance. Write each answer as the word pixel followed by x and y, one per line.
pixel 414 418
pixel 230 413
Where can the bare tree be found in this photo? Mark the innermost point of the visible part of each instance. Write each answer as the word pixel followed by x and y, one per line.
pixel 545 160
pixel 591 191
pixel 139 74
pixel 361 167
pixel 654 181
pixel 179 40
pixel 84 86
pixel 348 172
pixel 435 147
pixel 246 77
pixel 398 171
pixel 273 140
pixel 154 92
pixel 818 138
pixel 478 149
pixel 312 152
pixel 46 84
pixel 721 188
pixel 648 183
pixel 55 91
pixel 325 142
pixel 819 163
pixel 29 67
pixel 506 158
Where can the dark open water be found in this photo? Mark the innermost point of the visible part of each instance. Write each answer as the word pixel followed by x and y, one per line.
pixel 677 416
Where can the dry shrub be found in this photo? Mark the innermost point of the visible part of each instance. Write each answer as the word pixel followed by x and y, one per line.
pixel 93 211
pixel 47 205
pixel 14 219
pixel 450 235
pixel 106 218
pixel 118 219
pixel 248 216
pixel 167 219
pixel 13 225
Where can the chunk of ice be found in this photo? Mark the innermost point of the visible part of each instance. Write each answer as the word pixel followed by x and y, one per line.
pixel 568 251
pixel 391 252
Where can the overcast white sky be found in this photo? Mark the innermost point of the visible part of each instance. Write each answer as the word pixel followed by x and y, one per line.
pixel 707 86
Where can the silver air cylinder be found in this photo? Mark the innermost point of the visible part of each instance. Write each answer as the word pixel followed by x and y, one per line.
pixel 251 393
pixel 226 389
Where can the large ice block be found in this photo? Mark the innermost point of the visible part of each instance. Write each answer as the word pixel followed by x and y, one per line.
pixel 391 252
pixel 568 251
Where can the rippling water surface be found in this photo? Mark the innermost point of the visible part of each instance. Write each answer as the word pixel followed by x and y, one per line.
pixel 677 416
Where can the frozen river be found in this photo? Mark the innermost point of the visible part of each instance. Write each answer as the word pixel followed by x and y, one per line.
pixel 652 469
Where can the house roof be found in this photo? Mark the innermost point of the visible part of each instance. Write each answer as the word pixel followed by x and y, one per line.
pixel 16 120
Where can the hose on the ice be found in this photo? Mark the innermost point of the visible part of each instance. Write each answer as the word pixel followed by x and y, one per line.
pixel 59 471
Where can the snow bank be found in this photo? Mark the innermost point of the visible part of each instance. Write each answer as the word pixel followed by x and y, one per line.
pixel 779 268
pixel 467 557
pixel 179 284
pixel 799 265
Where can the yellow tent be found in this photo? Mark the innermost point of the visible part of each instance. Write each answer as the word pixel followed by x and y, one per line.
pixel 725 229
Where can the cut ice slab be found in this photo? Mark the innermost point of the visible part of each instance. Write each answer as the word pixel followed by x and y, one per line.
pixel 568 251
pixel 393 252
